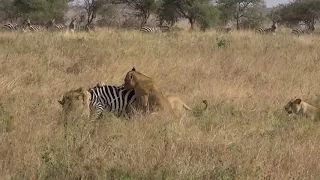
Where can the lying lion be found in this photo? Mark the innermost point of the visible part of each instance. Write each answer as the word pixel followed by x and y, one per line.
pixel 76 101
pixel 178 105
pixel 299 107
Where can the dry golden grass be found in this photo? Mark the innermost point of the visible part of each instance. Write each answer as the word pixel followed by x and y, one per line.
pixel 245 134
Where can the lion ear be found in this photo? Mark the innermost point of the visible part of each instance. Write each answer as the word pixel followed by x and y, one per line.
pixel 61 102
pixel 297 101
pixel 80 90
pixel 133 69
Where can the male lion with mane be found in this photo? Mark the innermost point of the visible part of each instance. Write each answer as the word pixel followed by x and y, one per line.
pixel 299 107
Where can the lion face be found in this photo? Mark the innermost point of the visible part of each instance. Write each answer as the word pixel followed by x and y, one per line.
pixel 129 80
pixel 293 106
pixel 75 100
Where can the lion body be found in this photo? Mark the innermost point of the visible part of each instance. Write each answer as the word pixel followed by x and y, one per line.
pixel 299 107
pixel 148 95
pixel 178 105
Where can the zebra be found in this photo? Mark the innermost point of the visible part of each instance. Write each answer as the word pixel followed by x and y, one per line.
pixel 72 25
pixel 158 29
pixel 111 98
pixel 31 27
pixel 271 30
pixel 224 30
pixel 299 31
pixel 11 26
pixel 87 28
pixel 52 25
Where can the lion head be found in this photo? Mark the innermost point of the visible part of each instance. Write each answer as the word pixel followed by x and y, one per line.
pixel 133 77
pixel 293 106
pixel 76 100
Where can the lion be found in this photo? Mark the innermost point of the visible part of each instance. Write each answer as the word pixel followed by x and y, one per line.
pixel 149 96
pixel 299 107
pixel 74 101
pixel 178 105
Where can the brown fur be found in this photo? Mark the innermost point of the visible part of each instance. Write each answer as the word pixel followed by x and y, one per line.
pixel 76 101
pixel 149 95
pixel 178 105
pixel 299 107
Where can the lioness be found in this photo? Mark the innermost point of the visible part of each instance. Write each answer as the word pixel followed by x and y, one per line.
pixel 149 96
pixel 76 101
pixel 299 107
pixel 177 104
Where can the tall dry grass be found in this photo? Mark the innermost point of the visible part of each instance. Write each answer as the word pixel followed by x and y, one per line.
pixel 245 134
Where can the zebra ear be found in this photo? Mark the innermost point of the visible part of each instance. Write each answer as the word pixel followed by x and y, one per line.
pixel 133 69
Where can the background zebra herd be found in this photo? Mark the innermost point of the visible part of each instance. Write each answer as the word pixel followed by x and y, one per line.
pixel 158 29
pixel 271 30
pixel 26 26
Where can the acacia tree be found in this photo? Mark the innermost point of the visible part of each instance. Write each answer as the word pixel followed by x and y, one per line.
pixel 237 9
pixel 7 10
pixel 307 11
pixel 196 11
pixel 142 8
pixel 92 7
pixel 41 10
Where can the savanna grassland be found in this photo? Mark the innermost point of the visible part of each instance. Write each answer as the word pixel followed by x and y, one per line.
pixel 244 134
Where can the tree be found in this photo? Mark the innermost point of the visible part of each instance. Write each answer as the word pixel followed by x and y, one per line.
pixel 196 11
pixel 237 9
pixel 142 8
pixel 41 10
pixel 7 10
pixel 307 11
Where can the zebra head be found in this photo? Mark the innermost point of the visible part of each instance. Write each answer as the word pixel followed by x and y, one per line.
pixel 27 22
pixel 274 25
pixel 51 23
pixel 312 28
pixel 72 24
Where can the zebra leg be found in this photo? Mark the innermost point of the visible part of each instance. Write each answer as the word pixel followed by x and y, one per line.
pixel 96 113
pixel 131 110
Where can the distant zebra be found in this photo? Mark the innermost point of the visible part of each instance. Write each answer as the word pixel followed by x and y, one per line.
pixel 31 27
pixel 11 26
pixel 271 30
pixel 72 25
pixel 56 27
pixel 158 29
pixel 299 31
pixel 224 30
pixel 111 98
pixel 87 28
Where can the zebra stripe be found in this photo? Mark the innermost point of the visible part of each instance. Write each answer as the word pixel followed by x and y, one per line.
pixel 31 27
pixel 224 30
pixel 11 26
pixel 300 31
pixel 87 28
pixel 111 98
pixel 158 29
pixel 36 28
pixel 271 30
pixel 53 26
